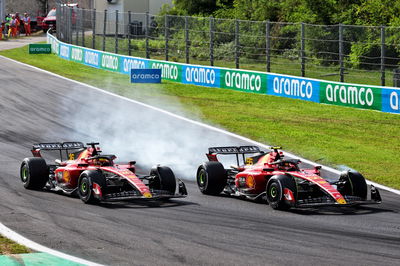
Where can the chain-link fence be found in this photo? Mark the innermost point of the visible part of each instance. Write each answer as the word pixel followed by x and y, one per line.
pixel 356 54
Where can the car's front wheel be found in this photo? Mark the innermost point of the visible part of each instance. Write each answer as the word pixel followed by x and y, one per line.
pixel 353 183
pixel 164 179
pixel 85 185
pixel 276 188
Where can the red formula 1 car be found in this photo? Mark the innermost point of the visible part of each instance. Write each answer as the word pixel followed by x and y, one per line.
pixel 279 181
pixel 94 176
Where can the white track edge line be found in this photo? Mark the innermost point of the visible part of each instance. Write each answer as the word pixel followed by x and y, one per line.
pixel 7 232
pixel 395 191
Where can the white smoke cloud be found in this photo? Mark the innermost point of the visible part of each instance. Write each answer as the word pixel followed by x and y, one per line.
pixel 134 132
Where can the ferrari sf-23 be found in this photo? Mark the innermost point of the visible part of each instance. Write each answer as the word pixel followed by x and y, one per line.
pixel 94 176
pixel 269 176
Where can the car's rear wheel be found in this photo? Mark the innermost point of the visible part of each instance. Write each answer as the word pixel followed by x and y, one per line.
pixel 275 192
pixel 353 184
pixel 85 185
pixel 164 179
pixel 34 173
pixel 211 178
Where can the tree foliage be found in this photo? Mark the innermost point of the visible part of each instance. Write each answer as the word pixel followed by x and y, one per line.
pixel 358 12
pixel 360 42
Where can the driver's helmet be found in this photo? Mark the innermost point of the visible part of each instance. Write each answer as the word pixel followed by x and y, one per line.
pixel 289 166
pixel 102 161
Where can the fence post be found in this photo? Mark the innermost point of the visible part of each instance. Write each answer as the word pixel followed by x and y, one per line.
pixel 76 26
pixel 396 77
pixel 237 43
pixel 70 23
pixel 341 63
pixel 166 33
pixel 116 31
pixel 83 28
pixel 129 32
pixel 187 39
pixel 303 63
pixel 383 48
pixel 94 29
pixel 212 41
pixel 104 30
pixel 268 45
pixel 147 35
pixel 60 18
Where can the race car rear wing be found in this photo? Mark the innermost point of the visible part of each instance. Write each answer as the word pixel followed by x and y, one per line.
pixel 213 151
pixel 233 150
pixel 56 146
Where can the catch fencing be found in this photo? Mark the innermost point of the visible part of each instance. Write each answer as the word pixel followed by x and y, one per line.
pixel 345 53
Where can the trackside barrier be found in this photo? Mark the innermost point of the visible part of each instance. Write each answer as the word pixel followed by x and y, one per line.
pixel 385 99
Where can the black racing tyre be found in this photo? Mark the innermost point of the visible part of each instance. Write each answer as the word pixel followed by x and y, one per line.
pixel 164 179
pixel 275 191
pixel 85 185
pixel 353 184
pixel 34 173
pixel 211 178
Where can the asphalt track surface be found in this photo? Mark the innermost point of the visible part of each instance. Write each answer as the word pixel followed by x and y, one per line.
pixel 198 230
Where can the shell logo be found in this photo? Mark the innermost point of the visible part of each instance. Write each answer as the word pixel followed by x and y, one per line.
pixel 250 182
pixel 341 201
pixel 147 195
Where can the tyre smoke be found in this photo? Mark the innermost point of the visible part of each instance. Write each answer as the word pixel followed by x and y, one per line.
pixel 135 132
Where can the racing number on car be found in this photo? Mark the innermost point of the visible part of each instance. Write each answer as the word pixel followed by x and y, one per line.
pixel 249 161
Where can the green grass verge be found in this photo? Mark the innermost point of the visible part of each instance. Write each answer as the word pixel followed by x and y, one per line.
pixel 9 247
pixel 337 136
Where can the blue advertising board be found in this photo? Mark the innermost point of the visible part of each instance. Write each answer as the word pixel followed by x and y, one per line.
pixel 390 100
pixel 292 87
pixel 65 51
pixel 127 63
pixel 201 76
pixel 146 76
pixel 91 58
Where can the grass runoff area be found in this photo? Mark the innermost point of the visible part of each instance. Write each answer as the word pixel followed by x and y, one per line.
pixel 9 247
pixel 341 137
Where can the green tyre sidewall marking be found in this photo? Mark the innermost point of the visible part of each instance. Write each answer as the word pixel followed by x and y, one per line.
pixel 84 187
pixel 202 178
pixel 24 174
pixel 273 192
